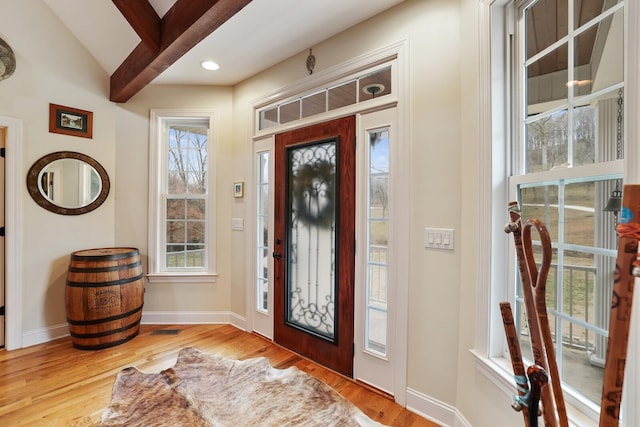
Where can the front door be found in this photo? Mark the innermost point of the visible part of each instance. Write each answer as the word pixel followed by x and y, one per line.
pixel 314 242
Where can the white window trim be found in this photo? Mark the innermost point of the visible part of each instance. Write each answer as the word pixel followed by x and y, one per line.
pixel 492 245
pixel 155 273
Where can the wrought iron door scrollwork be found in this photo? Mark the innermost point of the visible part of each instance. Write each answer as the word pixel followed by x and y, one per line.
pixel 311 238
pixel 313 198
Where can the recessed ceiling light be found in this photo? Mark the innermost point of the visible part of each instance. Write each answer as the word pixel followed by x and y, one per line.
pixel 209 65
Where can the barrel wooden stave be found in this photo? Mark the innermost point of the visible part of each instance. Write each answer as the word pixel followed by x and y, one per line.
pixel 104 297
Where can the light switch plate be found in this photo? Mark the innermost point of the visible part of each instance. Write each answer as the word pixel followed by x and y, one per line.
pixel 237 224
pixel 439 238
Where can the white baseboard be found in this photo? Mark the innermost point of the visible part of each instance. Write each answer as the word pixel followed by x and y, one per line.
pixel 434 410
pixel 40 336
pixel 238 321
pixel 193 317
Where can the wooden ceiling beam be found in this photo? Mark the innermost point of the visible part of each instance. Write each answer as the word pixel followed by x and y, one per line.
pixel 143 19
pixel 185 25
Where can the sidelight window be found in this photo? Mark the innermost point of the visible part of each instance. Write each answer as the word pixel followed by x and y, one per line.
pixel 377 242
pixel 263 189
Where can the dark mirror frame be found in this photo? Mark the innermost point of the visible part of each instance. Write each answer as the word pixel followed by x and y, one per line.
pixel 43 162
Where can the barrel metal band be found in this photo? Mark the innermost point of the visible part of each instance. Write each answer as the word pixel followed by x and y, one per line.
pixel 107 344
pixel 105 333
pixel 103 284
pixel 105 319
pixel 104 269
pixel 104 257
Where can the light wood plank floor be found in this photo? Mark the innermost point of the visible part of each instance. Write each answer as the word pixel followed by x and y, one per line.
pixel 54 384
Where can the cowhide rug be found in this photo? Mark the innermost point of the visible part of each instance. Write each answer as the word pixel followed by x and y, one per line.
pixel 205 390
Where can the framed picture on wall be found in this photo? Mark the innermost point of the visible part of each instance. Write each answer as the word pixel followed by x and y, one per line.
pixel 70 121
pixel 238 189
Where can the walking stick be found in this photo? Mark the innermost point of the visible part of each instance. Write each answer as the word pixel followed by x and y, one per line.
pixel 538 378
pixel 539 285
pixel 627 269
pixel 552 400
pixel 520 401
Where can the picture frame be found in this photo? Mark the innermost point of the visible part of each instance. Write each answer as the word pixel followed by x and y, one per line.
pixel 238 189
pixel 70 121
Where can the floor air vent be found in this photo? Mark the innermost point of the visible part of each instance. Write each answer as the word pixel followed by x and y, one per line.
pixel 166 332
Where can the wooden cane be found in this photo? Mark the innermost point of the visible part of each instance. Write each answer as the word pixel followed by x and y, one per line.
pixel 620 318
pixel 515 227
pixel 538 379
pixel 539 285
pixel 519 402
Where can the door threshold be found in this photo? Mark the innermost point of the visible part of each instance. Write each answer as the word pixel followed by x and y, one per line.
pixel 375 390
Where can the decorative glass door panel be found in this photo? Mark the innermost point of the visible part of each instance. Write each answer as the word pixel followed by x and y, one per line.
pixel 311 236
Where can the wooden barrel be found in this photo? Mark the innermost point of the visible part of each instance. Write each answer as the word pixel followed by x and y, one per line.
pixel 104 295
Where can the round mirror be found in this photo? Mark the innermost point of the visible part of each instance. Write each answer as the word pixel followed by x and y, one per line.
pixel 68 183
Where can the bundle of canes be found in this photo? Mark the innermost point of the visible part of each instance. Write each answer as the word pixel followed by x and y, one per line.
pixel 627 269
pixel 533 289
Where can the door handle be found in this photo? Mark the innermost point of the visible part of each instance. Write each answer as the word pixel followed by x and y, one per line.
pixel 277 256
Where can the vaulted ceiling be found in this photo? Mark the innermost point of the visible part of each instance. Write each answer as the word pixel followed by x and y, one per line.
pixel 164 41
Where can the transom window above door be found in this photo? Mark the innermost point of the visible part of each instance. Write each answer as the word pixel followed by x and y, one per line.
pixel 351 90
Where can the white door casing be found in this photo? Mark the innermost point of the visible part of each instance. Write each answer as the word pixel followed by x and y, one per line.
pixel 400 162
pixel 383 372
pixel 13 225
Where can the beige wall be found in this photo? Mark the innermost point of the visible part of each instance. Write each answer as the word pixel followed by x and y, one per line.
pixel 443 114
pixel 131 214
pixel 52 67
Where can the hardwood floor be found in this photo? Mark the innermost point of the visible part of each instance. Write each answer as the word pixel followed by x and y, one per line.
pixel 54 384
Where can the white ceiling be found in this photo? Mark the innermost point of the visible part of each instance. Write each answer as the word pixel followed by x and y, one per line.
pixel 261 35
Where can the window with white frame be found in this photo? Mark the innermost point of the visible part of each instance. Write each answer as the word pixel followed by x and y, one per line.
pixel 182 197
pixel 263 189
pixel 377 247
pixel 566 163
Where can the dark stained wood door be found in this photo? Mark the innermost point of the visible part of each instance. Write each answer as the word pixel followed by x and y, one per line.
pixel 314 251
